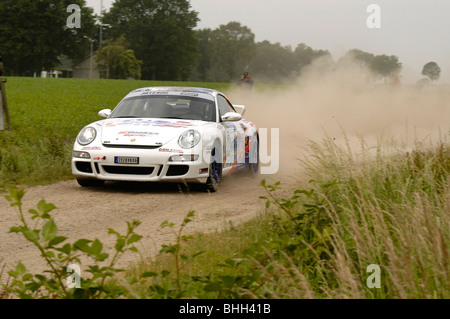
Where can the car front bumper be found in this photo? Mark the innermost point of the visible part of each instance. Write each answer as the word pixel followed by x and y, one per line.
pixel 154 165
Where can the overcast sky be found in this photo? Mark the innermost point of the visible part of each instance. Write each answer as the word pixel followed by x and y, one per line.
pixel 417 31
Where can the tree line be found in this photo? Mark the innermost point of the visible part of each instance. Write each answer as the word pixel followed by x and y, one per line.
pixel 157 40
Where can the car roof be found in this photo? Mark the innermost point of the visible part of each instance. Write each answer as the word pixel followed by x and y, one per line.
pixel 175 90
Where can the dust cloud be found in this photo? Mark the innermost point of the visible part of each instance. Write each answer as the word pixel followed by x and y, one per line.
pixel 343 103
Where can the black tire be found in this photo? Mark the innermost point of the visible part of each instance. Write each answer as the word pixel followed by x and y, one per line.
pixel 90 182
pixel 253 156
pixel 215 171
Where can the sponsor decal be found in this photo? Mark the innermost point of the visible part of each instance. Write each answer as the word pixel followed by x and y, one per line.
pixel 91 148
pixel 144 122
pixel 171 150
pixel 99 158
pixel 134 133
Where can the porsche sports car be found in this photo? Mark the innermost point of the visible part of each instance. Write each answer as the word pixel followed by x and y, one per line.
pixel 179 134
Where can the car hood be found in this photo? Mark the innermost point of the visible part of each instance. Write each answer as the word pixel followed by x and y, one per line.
pixel 143 132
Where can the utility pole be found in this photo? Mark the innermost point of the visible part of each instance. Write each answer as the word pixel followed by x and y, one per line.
pixel 101 24
pixel 4 112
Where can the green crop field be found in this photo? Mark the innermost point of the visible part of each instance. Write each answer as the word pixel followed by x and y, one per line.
pixel 47 114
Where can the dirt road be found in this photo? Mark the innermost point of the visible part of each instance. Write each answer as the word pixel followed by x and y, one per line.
pixel 88 213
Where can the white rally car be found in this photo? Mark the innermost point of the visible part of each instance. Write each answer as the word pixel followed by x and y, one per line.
pixel 179 134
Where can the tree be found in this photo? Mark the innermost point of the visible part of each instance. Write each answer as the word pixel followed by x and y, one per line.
pixel 432 71
pixel 34 34
pixel 385 66
pixel 233 47
pixel 305 55
pixel 116 61
pixel 160 33
pixel 273 62
pixel 363 59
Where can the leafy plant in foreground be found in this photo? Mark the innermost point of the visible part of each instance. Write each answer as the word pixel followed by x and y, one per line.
pixel 60 258
pixel 160 289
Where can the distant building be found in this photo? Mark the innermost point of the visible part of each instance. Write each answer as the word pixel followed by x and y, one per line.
pixel 69 69
pixel 86 69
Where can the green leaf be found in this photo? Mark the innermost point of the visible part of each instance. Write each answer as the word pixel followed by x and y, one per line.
pixel 15 229
pixel 120 243
pixel 20 269
pixel 49 230
pixel 34 213
pixel 228 281
pixel 49 254
pixel 45 207
pixel 213 286
pixel 57 240
pixel 133 239
pixel 112 231
pixel 31 235
pixel 101 257
pixel 188 217
pixel 149 274
pixel 66 249
pixel 166 224
pixel 82 245
pixel 169 249
pixel 96 247
pixel 133 249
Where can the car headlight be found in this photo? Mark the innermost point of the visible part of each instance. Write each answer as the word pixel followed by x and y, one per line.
pixel 189 139
pixel 87 135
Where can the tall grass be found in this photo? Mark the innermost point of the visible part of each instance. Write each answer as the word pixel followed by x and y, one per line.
pixel 392 210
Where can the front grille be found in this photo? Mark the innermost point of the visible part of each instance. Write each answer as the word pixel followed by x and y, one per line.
pixel 129 170
pixel 84 167
pixel 148 147
pixel 177 170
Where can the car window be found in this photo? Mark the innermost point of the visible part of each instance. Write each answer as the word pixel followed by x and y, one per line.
pixel 166 107
pixel 224 105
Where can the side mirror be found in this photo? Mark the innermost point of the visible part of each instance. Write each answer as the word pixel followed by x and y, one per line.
pixel 231 117
pixel 104 113
pixel 240 109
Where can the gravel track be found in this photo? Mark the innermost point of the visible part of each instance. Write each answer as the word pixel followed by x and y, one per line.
pixel 89 212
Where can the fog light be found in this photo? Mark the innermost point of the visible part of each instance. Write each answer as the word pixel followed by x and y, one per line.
pixel 80 154
pixel 183 158
pixel 203 170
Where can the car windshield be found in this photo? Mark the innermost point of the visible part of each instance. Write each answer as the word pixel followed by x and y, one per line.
pixel 172 107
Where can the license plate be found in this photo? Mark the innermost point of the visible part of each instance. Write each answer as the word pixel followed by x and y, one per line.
pixel 126 160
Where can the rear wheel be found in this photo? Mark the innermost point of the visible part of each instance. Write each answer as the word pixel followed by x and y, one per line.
pixel 90 182
pixel 215 171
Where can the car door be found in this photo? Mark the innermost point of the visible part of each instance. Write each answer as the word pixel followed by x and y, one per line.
pixel 234 139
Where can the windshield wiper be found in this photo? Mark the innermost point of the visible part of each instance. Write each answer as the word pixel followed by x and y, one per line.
pixel 170 117
pixel 125 117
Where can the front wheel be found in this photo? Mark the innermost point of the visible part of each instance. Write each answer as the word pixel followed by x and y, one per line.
pixel 215 171
pixel 253 156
